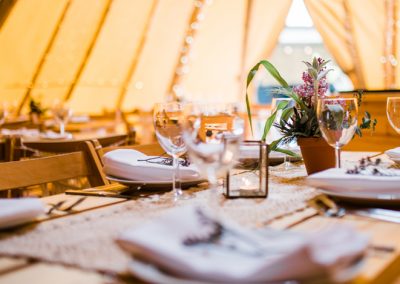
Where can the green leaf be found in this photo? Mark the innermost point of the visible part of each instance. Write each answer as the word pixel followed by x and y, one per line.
pixel 270 121
pixel 286 114
pixel 274 73
pixel 248 108
pixel 313 73
pixel 315 63
pixel 323 74
pixel 307 64
pixel 287 152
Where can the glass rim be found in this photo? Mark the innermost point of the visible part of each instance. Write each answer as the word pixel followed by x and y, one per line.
pixel 337 99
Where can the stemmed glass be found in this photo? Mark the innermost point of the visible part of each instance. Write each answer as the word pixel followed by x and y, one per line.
pixel 337 119
pixel 393 112
pixel 62 113
pixel 3 113
pixel 168 119
pixel 212 133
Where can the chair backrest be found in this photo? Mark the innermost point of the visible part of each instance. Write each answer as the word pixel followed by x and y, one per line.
pixel 67 146
pixel 81 163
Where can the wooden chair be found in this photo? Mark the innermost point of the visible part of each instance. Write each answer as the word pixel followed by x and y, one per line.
pixel 66 146
pixel 81 163
pixel 13 149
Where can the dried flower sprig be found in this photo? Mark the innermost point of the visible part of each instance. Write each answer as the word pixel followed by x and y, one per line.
pixel 367 166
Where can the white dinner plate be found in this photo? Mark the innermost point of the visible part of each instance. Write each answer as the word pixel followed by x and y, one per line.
pixel 154 184
pixel 55 136
pixel 152 274
pixel 362 188
pixel 367 198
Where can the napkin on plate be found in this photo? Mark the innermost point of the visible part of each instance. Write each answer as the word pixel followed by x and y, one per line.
pixel 132 165
pixel 17 211
pixel 337 180
pixel 51 135
pixel 189 243
pixel 393 153
pixel 25 132
pixel 253 152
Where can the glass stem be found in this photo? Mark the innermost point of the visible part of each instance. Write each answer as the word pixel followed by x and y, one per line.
pixel 337 154
pixel 213 186
pixel 62 128
pixel 176 179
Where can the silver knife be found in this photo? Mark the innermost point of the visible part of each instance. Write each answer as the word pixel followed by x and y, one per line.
pixel 378 213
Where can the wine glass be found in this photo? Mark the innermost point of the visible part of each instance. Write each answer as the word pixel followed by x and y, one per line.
pixel 212 134
pixel 62 113
pixel 393 112
pixel 168 119
pixel 337 119
pixel 3 113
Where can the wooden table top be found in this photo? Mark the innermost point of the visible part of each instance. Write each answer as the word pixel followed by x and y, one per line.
pixel 380 266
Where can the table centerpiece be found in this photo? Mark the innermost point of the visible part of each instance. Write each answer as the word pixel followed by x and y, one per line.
pixel 300 122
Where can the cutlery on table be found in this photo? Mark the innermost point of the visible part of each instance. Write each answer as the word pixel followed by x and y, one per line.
pixel 327 207
pixel 59 205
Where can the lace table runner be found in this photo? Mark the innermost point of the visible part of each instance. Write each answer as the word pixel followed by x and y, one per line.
pixel 86 240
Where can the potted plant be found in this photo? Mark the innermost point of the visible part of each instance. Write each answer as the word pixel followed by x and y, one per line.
pixel 299 122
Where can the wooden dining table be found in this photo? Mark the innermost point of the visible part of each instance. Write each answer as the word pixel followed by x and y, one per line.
pixel 381 264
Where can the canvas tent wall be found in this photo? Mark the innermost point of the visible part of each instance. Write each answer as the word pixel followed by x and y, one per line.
pixel 104 54
pixel 101 53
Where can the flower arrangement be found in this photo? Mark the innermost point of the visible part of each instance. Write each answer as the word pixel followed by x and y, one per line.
pixel 300 120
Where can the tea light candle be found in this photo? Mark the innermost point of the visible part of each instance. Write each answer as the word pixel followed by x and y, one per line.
pixel 248 185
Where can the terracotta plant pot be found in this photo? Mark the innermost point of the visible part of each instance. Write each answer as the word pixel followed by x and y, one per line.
pixel 317 154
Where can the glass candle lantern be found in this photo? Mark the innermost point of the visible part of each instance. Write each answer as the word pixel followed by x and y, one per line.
pixel 249 176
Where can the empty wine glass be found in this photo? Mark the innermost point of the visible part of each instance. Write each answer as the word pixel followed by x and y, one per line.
pixel 212 133
pixel 62 113
pixel 393 112
pixel 337 119
pixel 3 113
pixel 168 119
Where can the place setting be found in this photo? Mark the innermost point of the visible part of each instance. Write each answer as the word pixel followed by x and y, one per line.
pixel 199 141
pixel 370 180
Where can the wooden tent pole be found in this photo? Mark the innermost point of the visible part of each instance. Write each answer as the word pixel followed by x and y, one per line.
pixel 88 52
pixel 246 32
pixel 5 8
pixel 352 46
pixel 43 59
pixel 135 59
pixel 389 43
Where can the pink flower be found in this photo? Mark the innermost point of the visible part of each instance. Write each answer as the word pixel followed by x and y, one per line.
pixel 306 90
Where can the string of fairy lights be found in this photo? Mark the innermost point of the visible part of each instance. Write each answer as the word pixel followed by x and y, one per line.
pixel 176 90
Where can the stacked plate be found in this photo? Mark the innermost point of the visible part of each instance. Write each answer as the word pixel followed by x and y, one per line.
pixel 358 187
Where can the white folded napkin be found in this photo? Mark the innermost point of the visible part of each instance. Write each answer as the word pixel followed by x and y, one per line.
pixel 51 135
pixel 240 255
pixel 393 153
pixel 253 152
pixel 25 132
pixel 17 211
pixel 337 180
pixel 131 164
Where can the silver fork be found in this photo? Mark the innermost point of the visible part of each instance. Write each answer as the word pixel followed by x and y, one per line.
pixel 58 206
